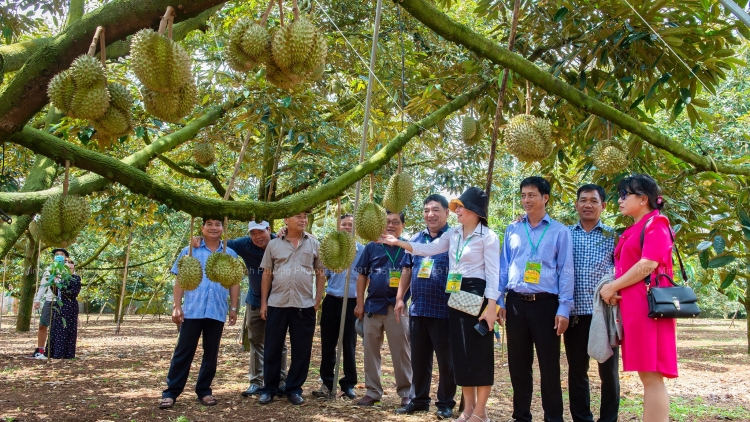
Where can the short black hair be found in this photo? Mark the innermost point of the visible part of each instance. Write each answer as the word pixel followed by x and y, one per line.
pixel 437 198
pixel 343 216
pixel 540 183
pixel 642 184
pixel 206 218
pixel 401 215
pixel 589 187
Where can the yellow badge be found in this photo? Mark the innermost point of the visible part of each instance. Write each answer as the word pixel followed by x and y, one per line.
pixel 533 272
pixel 394 277
pixel 425 269
pixel 454 282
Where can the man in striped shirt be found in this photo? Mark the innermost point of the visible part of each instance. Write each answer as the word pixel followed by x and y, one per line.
pixel 593 257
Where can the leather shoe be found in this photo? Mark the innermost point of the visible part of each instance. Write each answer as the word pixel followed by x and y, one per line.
pixel 265 398
pixel 295 399
pixel 349 393
pixel 367 401
pixel 444 413
pixel 412 407
pixel 251 391
pixel 405 401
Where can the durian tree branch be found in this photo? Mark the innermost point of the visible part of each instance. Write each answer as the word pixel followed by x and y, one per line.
pixel 26 94
pixel 447 28
pixel 96 253
pixel 31 202
pixel 139 182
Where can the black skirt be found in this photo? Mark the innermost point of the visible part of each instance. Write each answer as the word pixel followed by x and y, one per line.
pixel 473 353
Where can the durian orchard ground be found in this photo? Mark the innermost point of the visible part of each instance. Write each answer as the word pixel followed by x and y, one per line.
pixel 121 377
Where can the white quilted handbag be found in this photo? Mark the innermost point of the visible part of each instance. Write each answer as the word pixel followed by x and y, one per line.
pixel 466 302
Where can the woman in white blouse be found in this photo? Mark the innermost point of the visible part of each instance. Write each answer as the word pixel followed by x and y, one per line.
pixel 474 260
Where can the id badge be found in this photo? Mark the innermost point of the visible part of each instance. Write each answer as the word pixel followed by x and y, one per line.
pixel 425 269
pixel 533 272
pixel 394 277
pixel 454 282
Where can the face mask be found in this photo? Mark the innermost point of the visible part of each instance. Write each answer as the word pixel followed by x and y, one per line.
pixel 59 258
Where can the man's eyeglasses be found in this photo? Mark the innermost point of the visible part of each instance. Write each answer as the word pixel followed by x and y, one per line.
pixel 624 194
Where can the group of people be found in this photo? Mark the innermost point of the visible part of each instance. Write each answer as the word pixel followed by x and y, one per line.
pixel 540 281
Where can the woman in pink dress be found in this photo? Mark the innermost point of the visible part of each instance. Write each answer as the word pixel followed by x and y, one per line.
pixel 649 345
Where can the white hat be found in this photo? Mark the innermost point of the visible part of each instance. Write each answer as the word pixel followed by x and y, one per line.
pixel 257 226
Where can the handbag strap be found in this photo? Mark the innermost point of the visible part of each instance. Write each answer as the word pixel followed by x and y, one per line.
pixel 647 280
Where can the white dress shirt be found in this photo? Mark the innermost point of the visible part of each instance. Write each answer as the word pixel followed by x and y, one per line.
pixel 480 257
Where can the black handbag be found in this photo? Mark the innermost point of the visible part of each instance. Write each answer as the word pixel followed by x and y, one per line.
pixel 670 302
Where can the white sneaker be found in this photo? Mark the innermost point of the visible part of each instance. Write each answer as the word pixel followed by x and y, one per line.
pixel 40 356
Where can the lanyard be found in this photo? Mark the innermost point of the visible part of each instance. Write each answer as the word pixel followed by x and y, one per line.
pixel 393 259
pixel 460 252
pixel 531 242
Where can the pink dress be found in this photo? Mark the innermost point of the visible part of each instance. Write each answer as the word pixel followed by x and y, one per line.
pixel 648 345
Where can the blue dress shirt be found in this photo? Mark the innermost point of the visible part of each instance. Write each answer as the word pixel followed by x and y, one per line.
pixel 593 257
pixel 252 255
pixel 555 251
pixel 429 298
pixel 336 280
pixel 375 264
pixel 209 300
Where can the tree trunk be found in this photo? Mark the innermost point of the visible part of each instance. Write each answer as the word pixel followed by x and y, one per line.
pixel 28 285
pixel 747 313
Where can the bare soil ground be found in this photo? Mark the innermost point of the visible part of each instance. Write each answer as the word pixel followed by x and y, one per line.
pixel 120 377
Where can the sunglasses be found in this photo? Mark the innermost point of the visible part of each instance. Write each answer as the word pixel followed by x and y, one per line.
pixel 624 194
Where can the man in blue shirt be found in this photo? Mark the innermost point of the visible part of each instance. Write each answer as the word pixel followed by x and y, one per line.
pixel 593 255
pixel 330 321
pixel 203 311
pixel 426 277
pixel 536 272
pixel 380 266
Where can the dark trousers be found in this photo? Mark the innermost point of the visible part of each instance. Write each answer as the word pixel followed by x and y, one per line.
pixel 330 320
pixel 300 322
pixel 576 340
pixel 428 335
pixel 187 343
pixel 530 325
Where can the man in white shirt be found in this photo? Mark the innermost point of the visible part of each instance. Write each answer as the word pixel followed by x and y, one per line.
pixel 44 298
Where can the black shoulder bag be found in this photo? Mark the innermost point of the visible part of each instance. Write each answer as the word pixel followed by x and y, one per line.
pixel 670 302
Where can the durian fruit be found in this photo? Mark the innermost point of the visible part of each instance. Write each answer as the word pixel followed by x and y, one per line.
pixel 224 269
pixel 62 218
pixel 161 64
pixel 170 106
pixel 529 138
pixel 248 45
pixel 89 103
pixel 399 192
pixel 370 221
pixel 204 153
pixel 281 79
pixel 61 89
pixel 299 49
pixel 610 156
pixel 471 131
pixel 189 273
pixel 117 120
pixel 87 72
pixel 338 250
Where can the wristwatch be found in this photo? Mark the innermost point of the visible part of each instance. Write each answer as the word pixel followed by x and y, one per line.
pixel 233 309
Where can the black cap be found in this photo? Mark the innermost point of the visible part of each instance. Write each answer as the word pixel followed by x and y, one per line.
pixel 474 200
pixel 54 251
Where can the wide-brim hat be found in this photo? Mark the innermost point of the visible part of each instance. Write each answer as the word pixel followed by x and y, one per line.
pixel 54 251
pixel 474 200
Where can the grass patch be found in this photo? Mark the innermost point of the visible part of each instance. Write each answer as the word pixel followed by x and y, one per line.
pixel 684 410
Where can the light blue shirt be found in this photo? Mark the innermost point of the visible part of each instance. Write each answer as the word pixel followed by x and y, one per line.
pixel 209 300
pixel 336 280
pixel 555 252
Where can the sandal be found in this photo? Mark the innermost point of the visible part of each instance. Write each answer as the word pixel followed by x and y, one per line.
pixel 166 403
pixel 208 400
pixel 483 420
pixel 463 418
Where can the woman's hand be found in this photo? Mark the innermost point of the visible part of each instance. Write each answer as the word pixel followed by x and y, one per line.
pixel 489 315
pixel 609 294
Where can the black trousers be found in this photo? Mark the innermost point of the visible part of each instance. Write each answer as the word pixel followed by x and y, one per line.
pixel 187 343
pixel 530 325
pixel 330 320
pixel 300 322
pixel 428 336
pixel 576 340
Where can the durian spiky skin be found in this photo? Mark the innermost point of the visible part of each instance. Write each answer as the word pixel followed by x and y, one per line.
pixel 300 50
pixel 170 106
pixel 610 156
pixel 113 123
pixel 370 221
pixel 120 97
pixel 224 269
pixel 161 64
pixel 248 45
pixel 189 273
pixel 61 89
pixel 88 72
pixel 398 193
pixel 204 154
pixel 468 128
pixel 338 250
pixel 89 103
pixel 62 218
pixel 529 138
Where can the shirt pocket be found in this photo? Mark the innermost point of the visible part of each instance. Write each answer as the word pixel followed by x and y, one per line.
pixel 305 262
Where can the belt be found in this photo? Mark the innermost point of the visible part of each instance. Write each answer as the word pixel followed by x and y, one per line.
pixel 530 297
pixel 337 297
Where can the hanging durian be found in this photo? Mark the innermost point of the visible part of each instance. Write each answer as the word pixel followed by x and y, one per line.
pixel 60 91
pixel 529 138
pixel 399 192
pixel 189 273
pixel 224 269
pixel 161 64
pixel 117 120
pixel 248 45
pixel 610 156
pixel 370 221
pixel 171 106
pixel 338 250
pixel 62 218
pixel 299 49
pixel 471 131
pixel 204 153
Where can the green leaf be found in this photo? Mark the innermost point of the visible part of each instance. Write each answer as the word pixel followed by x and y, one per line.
pixel 721 261
pixel 560 14
pixel 728 280
pixel 685 95
pixel 678 107
pixel 703 256
pixel 719 244
pixel 703 245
